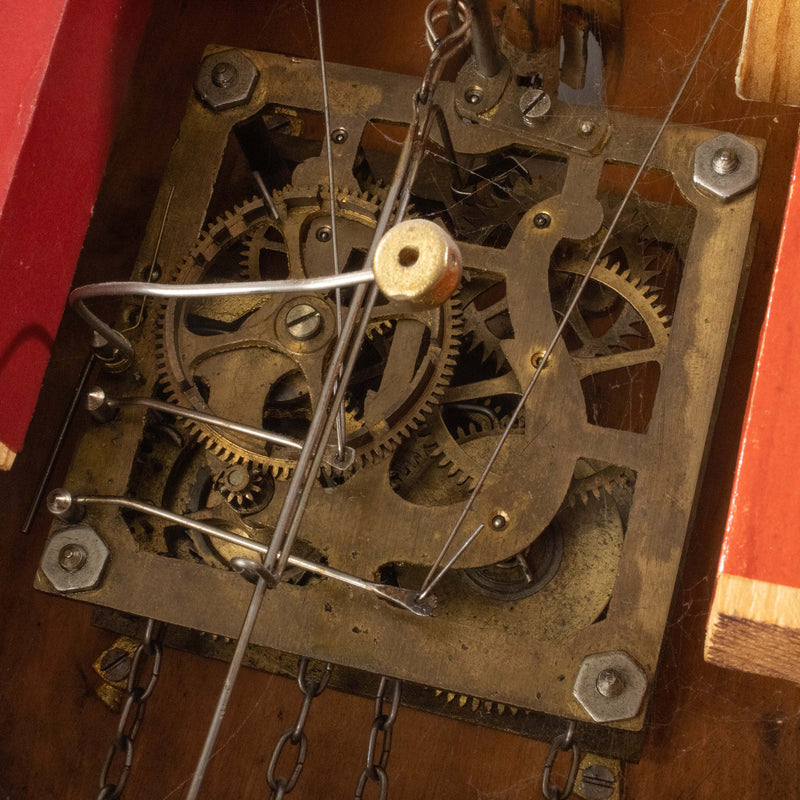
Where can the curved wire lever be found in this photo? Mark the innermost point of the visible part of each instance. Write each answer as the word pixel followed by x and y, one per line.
pixel 70 509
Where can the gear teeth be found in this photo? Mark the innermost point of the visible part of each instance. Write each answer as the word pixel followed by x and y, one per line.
pixel 239 226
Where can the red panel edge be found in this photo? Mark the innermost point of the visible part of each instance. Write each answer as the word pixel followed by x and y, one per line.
pixel 52 193
pixel 762 537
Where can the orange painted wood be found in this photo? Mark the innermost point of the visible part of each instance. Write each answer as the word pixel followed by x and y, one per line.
pixel 754 623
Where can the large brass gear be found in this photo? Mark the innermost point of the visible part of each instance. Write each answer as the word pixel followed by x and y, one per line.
pixel 638 332
pixel 234 357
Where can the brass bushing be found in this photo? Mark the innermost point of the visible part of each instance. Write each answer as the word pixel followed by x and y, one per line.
pixel 418 262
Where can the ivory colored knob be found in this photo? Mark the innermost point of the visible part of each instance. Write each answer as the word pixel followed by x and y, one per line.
pixel 417 261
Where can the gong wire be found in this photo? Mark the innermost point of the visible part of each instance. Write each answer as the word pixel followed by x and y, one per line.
pixel 430 581
pixel 340 423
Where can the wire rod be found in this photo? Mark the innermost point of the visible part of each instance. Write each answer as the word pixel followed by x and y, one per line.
pixel 190 291
pixel 572 304
pixel 340 420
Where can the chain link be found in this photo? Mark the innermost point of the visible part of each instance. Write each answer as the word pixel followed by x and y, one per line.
pixel 296 736
pixel 382 726
pixel 562 743
pixel 121 750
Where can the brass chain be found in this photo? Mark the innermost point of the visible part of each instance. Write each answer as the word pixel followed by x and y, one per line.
pixel 382 725
pixel 121 750
pixel 562 743
pixel 296 736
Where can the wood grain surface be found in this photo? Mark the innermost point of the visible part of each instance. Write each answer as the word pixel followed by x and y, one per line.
pixel 713 733
pixel 770 57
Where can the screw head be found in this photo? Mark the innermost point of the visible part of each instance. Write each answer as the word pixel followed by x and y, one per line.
pixel 473 95
pixel 542 220
pixel 339 136
pixel 597 782
pixel 303 322
pixel 533 105
pixel 725 161
pixel 537 358
pixel 115 664
pixel 586 127
pixel 324 233
pixel 610 683
pixel 224 74
pixel 72 557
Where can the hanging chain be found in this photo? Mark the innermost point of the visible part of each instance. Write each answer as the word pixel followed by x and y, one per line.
pixel 296 736
pixel 375 771
pixel 121 750
pixel 561 744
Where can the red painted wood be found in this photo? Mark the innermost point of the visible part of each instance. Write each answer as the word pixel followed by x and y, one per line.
pixel 65 67
pixel 762 538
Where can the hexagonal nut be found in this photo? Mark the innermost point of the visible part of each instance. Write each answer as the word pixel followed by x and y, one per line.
pixel 726 185
pixel 74 559
pixel 226 80
pixel 625 686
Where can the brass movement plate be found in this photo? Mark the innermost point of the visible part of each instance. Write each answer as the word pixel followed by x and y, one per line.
pixel 597 486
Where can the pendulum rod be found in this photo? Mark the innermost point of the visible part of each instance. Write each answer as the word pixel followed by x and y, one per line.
pixel 340 422
pixel 429 579
pixel 333 391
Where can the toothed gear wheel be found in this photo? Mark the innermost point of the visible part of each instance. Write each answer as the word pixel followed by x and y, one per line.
pixel 245 490
pixel 238 358
pixel 486 319
pixel 592 478
pixel 632 327
pixel 463 454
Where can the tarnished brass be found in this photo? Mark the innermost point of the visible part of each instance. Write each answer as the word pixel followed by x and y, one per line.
pixel 595 487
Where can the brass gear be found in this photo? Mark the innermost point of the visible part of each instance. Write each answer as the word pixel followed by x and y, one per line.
pixel 243 353
pixel 641 322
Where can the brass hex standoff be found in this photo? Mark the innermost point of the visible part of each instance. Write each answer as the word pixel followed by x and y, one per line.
pixel 418 262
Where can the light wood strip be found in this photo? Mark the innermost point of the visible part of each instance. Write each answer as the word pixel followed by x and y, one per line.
pixel 754 626
pixel 770 59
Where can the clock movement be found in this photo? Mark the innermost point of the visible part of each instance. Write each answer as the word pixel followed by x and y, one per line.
pixel 557 401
